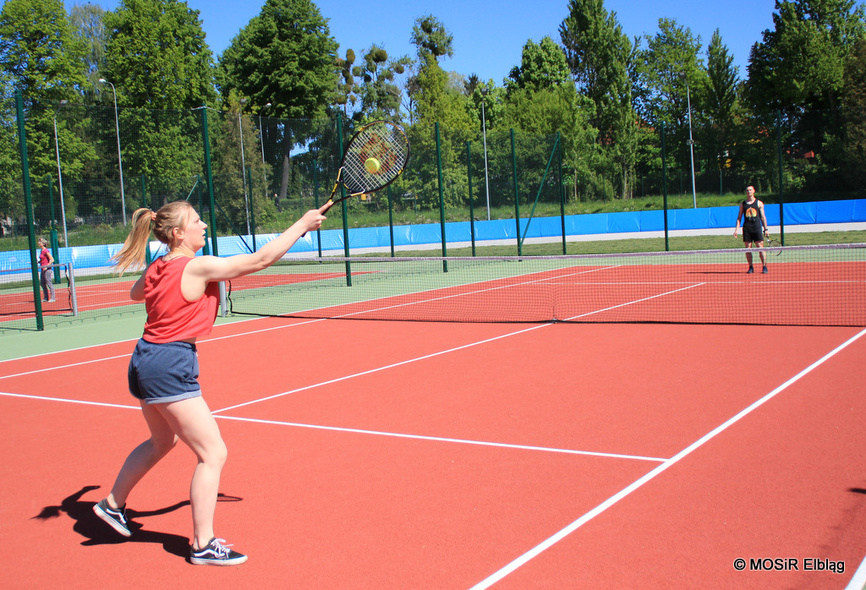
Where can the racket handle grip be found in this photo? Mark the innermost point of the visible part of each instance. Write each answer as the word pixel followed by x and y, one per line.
pixel 322 210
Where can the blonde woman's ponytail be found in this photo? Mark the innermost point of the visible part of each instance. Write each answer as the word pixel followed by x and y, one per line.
pixel 133 251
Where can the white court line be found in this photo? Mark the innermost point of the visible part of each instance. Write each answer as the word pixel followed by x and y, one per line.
pixel 435 354
pixel 550 542
pixel 68 401
pixel 445 439
pixel 858 582
pixel 382 368
pixel 118 356
pixel 361 431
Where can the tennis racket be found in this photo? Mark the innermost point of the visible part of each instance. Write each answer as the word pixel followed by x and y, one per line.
pixel 770 243
pixel 376 155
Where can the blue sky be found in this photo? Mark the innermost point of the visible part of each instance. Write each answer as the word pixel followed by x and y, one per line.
pixel 489 36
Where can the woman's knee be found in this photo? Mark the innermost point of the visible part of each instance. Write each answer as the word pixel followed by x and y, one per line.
pixel 215 453
pixel 162 445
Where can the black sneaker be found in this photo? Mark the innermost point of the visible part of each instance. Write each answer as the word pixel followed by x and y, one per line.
pixel 765 271
pixel 751 270
pixel 216 553
pixel 115 518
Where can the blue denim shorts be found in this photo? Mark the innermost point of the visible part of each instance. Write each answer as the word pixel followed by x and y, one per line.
pixel 163 373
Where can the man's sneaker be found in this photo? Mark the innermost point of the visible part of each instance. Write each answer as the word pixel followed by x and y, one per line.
pixel 751 270
pixel 115 518
pixel 765 271
pixel 216 553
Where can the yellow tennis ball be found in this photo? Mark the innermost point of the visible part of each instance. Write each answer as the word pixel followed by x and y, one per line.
pixel 372 165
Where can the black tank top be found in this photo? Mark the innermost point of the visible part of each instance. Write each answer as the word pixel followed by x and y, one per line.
pixel 751 213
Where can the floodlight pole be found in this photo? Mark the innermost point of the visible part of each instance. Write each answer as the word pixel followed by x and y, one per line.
pixel 691 146
pixel 119 158
pixel 262 132
pixel 484 134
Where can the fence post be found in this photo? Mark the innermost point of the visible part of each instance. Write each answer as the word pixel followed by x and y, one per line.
pixel 28 203
pixel 781 176
pixel 441 199
pixel 561 194
pixel 516 195
pixel 665 188
pixel 391 219
pixel 471 206
pixel 252 207
pixel 211 203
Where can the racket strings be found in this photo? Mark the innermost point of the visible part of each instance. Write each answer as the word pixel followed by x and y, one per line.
pixel 382 141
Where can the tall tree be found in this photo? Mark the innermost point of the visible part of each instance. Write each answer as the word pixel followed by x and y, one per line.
pixel 87 22
pixel 854 117
pixel 43 59
pixel 601 59
pixel 157 59
pixel 720 99
pixel 672 73
pixel 801 62
pixel 157 53
pixel 285 56
pixel 542 66
pixel 798 68
pixel 431 37
pixel 380 94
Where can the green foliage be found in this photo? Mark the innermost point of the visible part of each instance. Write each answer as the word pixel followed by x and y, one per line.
pixel 801 61
pixel 854 100
pixel 719 99
pixel 286 56
pixel 157 54
pixel 602 61
pixel 87 22
pixel 379 94
pixel 542 66
pixel 431 37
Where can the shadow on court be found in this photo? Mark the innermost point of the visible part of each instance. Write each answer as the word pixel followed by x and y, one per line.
pixel 96 532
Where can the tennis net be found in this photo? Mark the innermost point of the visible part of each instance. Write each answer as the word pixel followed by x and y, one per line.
pixel 808 285
pixel 17 297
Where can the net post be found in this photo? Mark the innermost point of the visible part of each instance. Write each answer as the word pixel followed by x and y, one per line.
pixel 55 244
pixel 73 294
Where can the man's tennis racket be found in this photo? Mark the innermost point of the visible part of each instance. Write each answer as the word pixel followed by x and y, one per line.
pixel 770 243
pixel 376 155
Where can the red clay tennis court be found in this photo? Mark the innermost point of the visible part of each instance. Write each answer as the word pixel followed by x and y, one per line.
pixel 400 454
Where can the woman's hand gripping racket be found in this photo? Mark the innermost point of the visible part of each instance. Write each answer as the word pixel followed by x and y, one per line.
pixel 376 155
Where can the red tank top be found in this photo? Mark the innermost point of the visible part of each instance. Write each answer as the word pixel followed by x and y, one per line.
pixel 170 317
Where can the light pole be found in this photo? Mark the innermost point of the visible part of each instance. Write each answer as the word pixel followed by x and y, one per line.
pixel 262 132
pixel 691 145
pixel 60 176
pixel 119 158
pixel 484 134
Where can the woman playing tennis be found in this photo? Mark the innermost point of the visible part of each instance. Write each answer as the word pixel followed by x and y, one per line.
pixel 181 294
